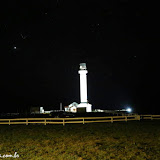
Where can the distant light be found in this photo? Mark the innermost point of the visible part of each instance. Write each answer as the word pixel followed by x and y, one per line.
pixel 15 47
pixel 129 110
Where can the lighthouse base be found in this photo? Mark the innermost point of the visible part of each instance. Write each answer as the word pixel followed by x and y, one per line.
pixel 86 107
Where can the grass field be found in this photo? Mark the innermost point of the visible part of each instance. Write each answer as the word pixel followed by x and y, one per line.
pixel 97 141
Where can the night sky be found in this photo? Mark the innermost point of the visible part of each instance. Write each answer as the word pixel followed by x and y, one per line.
pixel 43 42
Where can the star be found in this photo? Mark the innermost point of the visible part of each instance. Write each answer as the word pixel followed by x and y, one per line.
pixel 23 37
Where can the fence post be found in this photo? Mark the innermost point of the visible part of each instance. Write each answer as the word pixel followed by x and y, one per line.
pixel 111 119
pixel 9 122
pixel 45 121
pixel 26 121
pixel 138 117
pixel 126 118
pixel 63 122
pixel 151 117
pixel 83 120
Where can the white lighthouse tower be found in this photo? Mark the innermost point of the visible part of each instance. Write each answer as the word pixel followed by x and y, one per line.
pixel 84 105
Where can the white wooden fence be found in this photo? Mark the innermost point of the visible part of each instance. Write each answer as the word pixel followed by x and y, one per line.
pixel 151 117
pixel 82 120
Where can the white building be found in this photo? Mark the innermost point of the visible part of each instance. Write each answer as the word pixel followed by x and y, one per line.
pixel 72 107
pixel 41 110
pixel 84 106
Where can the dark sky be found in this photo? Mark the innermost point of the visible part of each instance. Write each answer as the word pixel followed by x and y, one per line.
pixel 43 42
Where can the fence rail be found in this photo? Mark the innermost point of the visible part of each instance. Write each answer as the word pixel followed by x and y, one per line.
pixel 151 117
pixel 82 120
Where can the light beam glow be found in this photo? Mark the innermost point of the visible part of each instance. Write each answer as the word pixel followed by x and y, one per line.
pixel 129 110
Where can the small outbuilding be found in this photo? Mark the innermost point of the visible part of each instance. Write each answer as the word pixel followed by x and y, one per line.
pixel 71 108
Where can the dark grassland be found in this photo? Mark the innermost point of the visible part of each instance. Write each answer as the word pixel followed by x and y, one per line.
pixel 97 141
